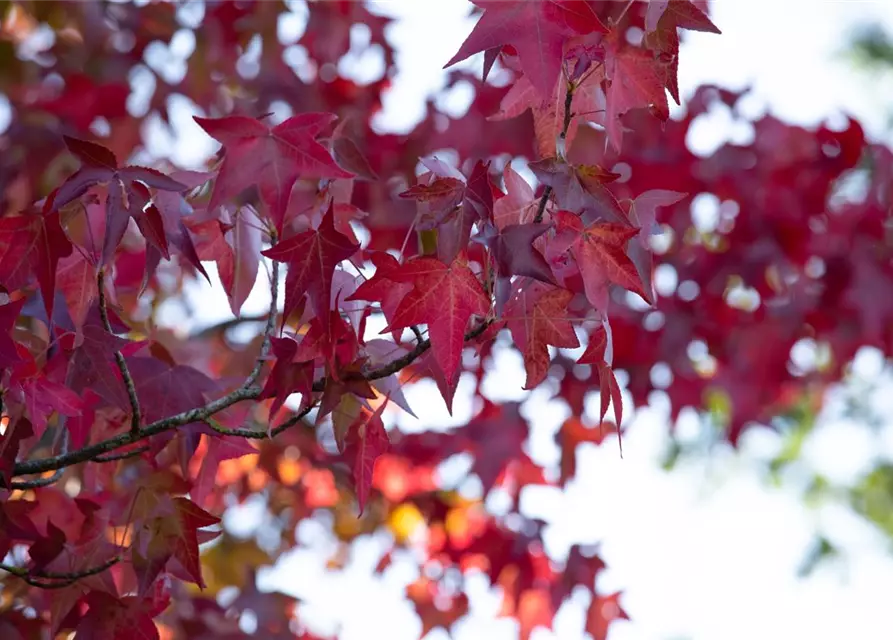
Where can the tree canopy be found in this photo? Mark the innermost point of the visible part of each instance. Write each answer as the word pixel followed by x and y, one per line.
pixel 562 217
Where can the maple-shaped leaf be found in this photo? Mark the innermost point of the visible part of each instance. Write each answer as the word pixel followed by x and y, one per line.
pixel 32 244
pixel 444 297
pixel 383 287
pixel 39 395
pixel 436 199
pixel 311 257
pixel 127 197
pixel 538 31
pixel 165 390
pixel 365 441
pixel 174 532
pixel 270 158
pixel 643 210
pixel 9 313
pixel 600 253
pixel 603 611
pixel 582 189
pixel 92 364
pixel 537 316
pixel 636 80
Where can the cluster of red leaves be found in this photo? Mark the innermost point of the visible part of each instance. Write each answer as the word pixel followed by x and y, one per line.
pixel 120 438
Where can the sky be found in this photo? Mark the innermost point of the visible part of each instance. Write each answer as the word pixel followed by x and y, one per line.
pixel 707 551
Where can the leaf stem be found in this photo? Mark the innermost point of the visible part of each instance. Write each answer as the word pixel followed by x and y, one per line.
pixel 135 414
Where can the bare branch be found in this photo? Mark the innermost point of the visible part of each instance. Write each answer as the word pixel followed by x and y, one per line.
pixel 62 436
pixel 229 324
pixel 22 485
pixel 200 414
pixel 122 455
pixel 135 416
pixel 56 580
pixel 255 434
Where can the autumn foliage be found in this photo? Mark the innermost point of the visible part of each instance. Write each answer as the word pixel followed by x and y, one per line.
pixel 396 258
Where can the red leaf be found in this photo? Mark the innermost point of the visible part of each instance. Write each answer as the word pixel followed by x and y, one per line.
pixel 33 243
pixel 126 196
pixel 603 611
pixel 537 30
pixel 270 158
pixel 9 313
pixel 311 257
pixel 600 253
pixel 538 317
pixel 670 14
pixel 444 297
pixel 365 441
pixel 636 80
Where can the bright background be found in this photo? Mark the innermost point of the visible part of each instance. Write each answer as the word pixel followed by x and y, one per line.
pixel 707 551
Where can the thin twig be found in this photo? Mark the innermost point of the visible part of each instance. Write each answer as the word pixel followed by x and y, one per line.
pixel 22 485
pixel 135 415
pixel 547 192
pixel 122 455
pixel 256 434
pixel 53 579
pixel 62 435
pixel 230 323
pixel 200 414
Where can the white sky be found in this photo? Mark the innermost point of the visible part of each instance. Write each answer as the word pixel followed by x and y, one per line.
pixel 706 552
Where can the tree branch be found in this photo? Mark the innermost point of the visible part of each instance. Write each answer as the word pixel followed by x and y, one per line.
pixel 135 415
pixel 229 324
pixel 200 414
pixel 55 580
pixel 547 192
pixel 122 455
pixel 255 434
pixel 22 485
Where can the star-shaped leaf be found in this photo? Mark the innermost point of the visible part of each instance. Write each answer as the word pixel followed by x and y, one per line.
pixel 272 158
pixel 537 30
pixel 444 297
pixel 126 198
pixel 600 253
pixel 311 257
